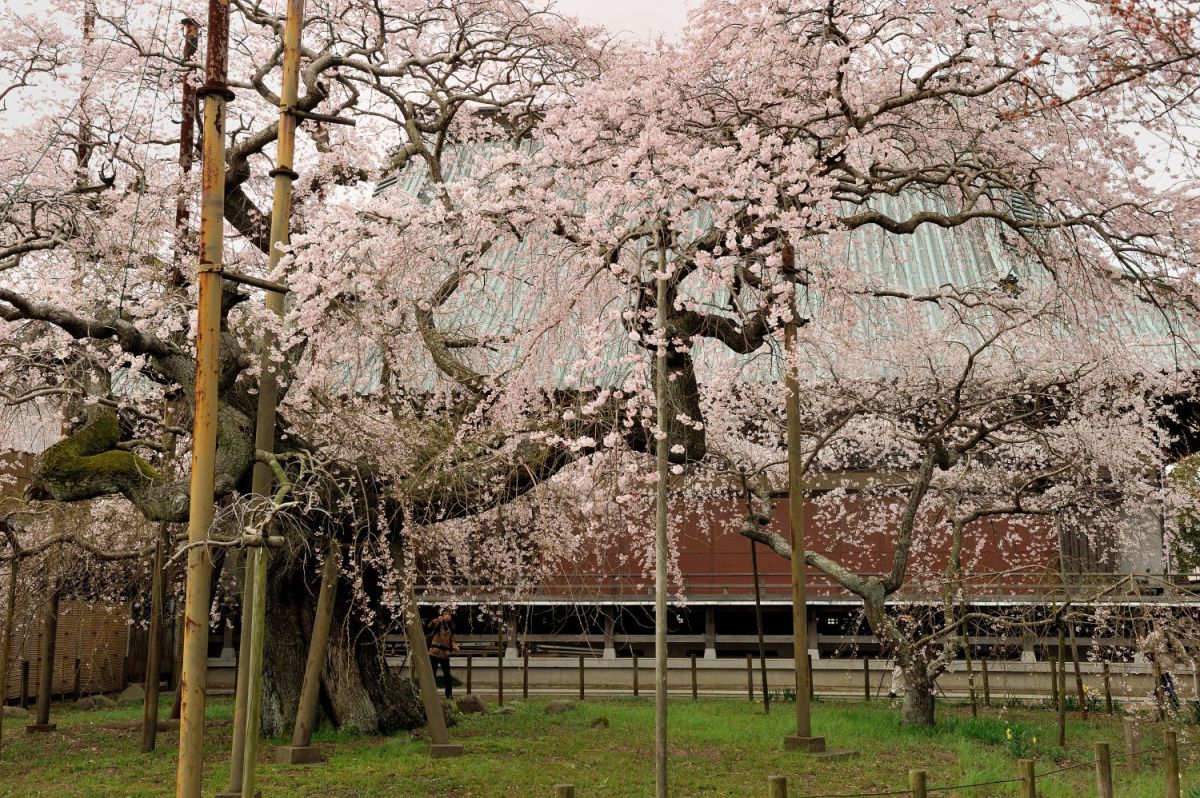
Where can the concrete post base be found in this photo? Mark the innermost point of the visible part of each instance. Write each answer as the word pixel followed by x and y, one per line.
pixel 811 745
pixel 445 750
pixel 299 755
pixel 40 728
pixel 257 794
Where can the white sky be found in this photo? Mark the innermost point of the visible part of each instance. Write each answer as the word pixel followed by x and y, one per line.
pixel 640 19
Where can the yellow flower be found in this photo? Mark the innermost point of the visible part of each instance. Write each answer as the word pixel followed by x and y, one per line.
pixel 1008 733
pixel 1034 741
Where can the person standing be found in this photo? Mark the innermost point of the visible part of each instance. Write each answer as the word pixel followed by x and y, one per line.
pixel 1164 650
pixel 441 645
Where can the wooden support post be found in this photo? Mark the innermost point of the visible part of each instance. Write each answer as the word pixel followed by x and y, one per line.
pixel 24 684
pixel 1028 778
pixel 500 669
pixel 758 619
pixel 564 791
pixel 46 666
pixel 1108 702
pixel 695 692
pixel 777 787
pixel 1171 763
pixel 10 604
pixel 1133 759
pixel 1062 687
pixel 987 687
pixel 1160 697
pixel 1104 785
pixel 581 677
pixel 916 783
pixel 470 660
pixel 635 675
pixel 867 678
pixel 158 581
pixel 302 751
pixel 812 689
pixel 750 677
pixel 77 679
pixel 419 652
pixel 524 675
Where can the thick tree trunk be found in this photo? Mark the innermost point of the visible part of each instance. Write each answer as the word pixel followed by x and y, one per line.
pixel 918 706
pixel 358 691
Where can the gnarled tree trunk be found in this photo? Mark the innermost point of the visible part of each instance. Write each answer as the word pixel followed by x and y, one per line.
pixel 359 692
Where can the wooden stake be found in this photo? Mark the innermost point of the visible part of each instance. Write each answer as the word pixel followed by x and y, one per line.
pixel 1104 786
pixel 1028 778
pixel 777 786
pixel 916 783
pixel 1171 762
pixel 1133 759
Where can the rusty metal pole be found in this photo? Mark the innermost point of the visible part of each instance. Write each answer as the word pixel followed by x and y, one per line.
pixel 661 552
pixel 10 606
pixel 216 94
pixel 803 738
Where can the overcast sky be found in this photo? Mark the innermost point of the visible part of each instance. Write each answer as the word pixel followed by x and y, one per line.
pixel 642 19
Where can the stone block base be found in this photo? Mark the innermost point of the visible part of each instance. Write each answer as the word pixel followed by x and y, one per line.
pixel 810 744
pixel 445 750
pixel 257 794
pixel 40 728
pixel 299 755
pixel 834 754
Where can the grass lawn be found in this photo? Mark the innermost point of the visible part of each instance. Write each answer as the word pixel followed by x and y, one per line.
pixel 719 747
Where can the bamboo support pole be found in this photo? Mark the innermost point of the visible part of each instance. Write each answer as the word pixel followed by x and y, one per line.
pixel 581 678
pixel 525 677
pixel 635 675
pixel 254 664
pixel 216 94
pixel 695 688
pixel 268 395
pixel 470 661
pixel 750 677
pixel 866 678
pixel 987 687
